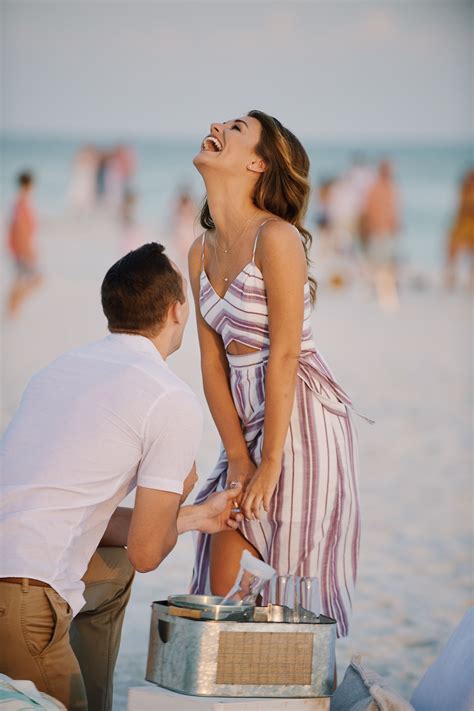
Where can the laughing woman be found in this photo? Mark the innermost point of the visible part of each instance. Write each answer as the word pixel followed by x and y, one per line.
pixel 284 421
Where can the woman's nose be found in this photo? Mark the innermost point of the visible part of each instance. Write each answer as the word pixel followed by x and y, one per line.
pixel 216 127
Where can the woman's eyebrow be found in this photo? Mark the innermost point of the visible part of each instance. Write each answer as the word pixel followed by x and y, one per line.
pixel 237 121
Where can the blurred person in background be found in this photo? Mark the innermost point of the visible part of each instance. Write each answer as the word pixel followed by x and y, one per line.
pixel 81 195
pixel 330 255
pixel 341 214
pixel 22 244
pixel 361 176
pixel 103 158
pixel 285 423
pixel 120 169
pixel 132 233
pixel 323 217
pixel 183 217
pixel 381 226
pixel 461 235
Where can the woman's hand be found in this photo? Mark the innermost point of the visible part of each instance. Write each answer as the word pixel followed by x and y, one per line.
pixel 240 471
pixel 260 490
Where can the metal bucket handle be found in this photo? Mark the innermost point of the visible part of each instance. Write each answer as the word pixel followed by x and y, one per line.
pixel 165 630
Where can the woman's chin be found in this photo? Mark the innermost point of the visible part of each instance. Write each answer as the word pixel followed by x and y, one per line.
pixel 204 159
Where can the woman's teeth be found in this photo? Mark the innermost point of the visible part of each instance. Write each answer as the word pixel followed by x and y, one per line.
pixel 211 143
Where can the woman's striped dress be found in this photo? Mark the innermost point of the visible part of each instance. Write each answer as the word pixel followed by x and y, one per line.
pixel 313 525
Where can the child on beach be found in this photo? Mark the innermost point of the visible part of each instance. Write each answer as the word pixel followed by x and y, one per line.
pixel 22 245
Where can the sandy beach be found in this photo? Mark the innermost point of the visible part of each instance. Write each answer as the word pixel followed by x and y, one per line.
pixel 410 371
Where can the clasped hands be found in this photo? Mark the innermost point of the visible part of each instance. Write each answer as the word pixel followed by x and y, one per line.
pixel 216 513
pixel 258 485
pixel 248 489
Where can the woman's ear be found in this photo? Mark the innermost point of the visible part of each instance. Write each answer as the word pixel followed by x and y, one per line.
pixel 257 166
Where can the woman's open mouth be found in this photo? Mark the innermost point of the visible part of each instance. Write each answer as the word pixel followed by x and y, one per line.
pixel 211 143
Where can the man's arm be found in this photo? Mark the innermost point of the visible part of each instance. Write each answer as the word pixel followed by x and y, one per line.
pixel 150 529
pixel 116 533
pixel 153 528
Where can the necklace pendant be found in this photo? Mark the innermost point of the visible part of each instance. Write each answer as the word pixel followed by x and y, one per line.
pixel 225 251
pixel 226 279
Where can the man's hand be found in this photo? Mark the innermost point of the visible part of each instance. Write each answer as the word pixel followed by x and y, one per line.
pixel 189 483
pixel 215 514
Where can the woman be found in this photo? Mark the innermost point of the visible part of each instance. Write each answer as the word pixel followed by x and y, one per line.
pixel 284 421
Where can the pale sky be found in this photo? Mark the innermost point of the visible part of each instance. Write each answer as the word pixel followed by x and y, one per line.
pixel 329 70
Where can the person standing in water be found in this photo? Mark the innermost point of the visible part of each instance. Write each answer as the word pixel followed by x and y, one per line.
pixel 382 224
pixel 285 423
pixel 22 245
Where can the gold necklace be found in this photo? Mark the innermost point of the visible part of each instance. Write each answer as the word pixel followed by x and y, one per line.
pixel 226 279
pixel 238 238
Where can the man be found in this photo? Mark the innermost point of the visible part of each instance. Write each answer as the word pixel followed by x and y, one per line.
pixel 91 426
pixel 382 224
pixel 22 245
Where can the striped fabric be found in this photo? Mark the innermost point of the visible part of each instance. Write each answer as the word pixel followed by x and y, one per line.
pixel 313 525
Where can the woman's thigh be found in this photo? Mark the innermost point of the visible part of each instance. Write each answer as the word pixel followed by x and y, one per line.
pixel 226 551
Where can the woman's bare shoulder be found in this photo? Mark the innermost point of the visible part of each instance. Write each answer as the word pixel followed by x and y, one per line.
pixel 279 237
pixel 195 251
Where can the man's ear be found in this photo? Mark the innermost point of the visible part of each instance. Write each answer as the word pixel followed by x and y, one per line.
pixel 176 312
pixel 257 166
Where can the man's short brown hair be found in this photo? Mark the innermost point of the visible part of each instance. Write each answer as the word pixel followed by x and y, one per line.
pixel 139 289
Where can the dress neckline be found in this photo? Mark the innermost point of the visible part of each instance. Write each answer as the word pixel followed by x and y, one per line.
pixel 242 271
pixel 222 298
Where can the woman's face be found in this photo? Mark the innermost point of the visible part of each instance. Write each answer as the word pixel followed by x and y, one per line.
pixel 230 146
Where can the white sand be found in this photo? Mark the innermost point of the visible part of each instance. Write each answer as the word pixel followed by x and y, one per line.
pixel 410 371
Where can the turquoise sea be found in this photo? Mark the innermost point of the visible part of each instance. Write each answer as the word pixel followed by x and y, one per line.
pixel 428 178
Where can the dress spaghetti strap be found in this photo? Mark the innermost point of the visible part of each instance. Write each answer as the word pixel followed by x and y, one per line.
pixel 203 244
pixel 269 219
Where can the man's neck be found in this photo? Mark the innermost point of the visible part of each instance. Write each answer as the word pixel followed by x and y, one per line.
pixel 162 341
pixel 162 344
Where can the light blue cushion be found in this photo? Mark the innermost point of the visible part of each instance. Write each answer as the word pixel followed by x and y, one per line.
pixel 364 690
pixel 448 685
pixel 23 695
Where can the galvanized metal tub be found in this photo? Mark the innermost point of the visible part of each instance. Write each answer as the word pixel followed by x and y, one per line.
pixel 241 659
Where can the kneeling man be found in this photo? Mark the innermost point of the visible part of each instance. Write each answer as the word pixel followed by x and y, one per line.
pixel 93 425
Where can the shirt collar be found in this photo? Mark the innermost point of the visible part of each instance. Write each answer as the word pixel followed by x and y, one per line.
pixel 135 342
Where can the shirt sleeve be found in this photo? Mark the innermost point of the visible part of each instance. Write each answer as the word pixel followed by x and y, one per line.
pixel 172 434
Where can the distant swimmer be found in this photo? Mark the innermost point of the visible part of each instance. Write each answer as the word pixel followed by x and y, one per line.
pixel 22 245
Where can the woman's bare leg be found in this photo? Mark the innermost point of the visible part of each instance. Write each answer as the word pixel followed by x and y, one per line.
pixel 226 551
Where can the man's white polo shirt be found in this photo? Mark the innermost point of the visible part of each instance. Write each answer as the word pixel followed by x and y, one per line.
pixel 90 427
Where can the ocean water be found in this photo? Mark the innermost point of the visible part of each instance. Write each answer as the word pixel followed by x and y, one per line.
pixel 428 177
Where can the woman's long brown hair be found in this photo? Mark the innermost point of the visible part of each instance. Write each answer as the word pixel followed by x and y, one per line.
pixel 284 187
